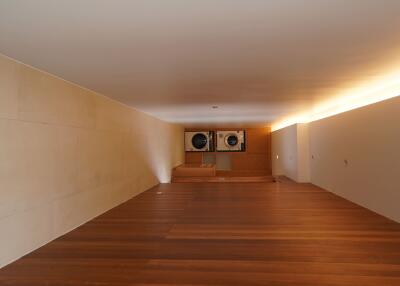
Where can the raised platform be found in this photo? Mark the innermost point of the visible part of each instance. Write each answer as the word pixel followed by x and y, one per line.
pixel 194 170
pixel 223 179
pixel 192 173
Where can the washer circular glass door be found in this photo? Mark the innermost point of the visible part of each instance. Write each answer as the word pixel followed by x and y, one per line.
pixel 199 141
pixel 231 140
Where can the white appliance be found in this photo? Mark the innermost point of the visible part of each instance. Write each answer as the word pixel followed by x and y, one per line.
pixel 199 141
pixel 231 141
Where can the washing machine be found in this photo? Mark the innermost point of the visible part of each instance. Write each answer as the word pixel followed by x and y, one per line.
pixel 231 141
pixel 199 141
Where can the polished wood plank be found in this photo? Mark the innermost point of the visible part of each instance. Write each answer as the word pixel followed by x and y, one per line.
pixel 222 234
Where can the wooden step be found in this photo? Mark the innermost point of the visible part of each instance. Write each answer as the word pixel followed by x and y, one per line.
pixel 194 170
pixel 222 179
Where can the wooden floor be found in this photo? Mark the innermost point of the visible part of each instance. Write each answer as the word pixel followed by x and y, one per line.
pixel 222 234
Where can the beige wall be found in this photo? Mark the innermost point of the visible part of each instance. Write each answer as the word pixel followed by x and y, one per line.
pixel 367 138
pixel 290 152
pixel 68 155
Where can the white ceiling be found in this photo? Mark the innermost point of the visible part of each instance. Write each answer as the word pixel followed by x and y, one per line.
pixel 259 61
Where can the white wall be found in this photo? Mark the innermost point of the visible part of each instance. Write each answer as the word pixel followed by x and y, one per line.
pixel 284 152
pixel 303 153
pixel 367 138
pixel 68 155
pixel 290 155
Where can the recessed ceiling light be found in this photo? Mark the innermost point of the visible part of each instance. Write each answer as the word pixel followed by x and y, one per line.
pixel 215 107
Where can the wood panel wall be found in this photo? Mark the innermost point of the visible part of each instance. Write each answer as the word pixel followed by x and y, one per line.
pixel 257 156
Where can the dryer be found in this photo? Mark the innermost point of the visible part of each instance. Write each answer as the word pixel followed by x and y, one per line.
pixel 231 141
pixel 199 141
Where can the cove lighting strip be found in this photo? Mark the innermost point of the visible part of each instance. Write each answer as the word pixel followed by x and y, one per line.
pixel 356 98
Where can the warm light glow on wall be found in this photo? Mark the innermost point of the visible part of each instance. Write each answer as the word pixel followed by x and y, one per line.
pixel 355 98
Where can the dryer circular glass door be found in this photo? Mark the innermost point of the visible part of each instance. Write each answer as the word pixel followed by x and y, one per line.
pixel 199 141
pixel 231 140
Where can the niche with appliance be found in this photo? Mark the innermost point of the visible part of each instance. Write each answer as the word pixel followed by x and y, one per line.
pixel 199 141
pixel 231 141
